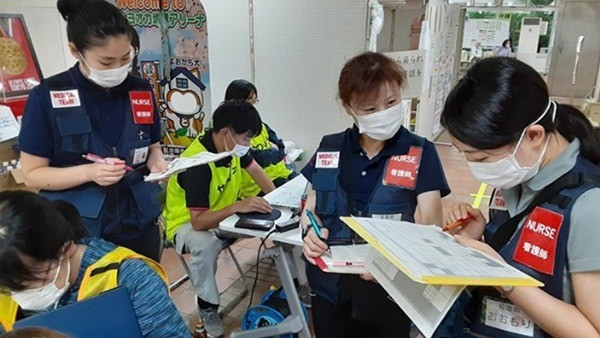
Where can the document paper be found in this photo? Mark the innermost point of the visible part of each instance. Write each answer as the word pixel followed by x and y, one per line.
pixel 426 305
pixel 430 256
pixel 181 164
pixel 289 194
pixel 345 259
pixel 425 269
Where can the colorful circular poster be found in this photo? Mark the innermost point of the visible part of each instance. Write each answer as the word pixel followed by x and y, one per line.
pixel 173 56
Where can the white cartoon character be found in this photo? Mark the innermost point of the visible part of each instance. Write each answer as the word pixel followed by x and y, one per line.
pixel 183 100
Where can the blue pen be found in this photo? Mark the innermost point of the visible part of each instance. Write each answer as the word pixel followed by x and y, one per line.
pixel 313 222
pixel 316 228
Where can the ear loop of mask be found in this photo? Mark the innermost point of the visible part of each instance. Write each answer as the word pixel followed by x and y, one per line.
pixel 550 102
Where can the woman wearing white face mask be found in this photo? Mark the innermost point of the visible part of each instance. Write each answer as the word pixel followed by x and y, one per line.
pixel 542 158
pixel 375 169
pixel 47 261
pixel 97 108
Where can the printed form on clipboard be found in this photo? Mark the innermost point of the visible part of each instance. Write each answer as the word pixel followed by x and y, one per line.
pixel 182 164
pixel 425 270
pixel 347 259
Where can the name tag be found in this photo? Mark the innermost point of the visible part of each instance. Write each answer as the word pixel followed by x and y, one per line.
pixel 538 240
pixel 506 317
pixel 140 155
pixel 498 202
pixel 142 107
pixel 65 98
pixel 390 217
pixel 327 160
pixel 402 170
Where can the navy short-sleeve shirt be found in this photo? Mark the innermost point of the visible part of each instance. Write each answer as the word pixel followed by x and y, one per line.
pixel 366 173
pixel 105 106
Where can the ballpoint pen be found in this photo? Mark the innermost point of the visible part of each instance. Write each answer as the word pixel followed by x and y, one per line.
pixel 316 228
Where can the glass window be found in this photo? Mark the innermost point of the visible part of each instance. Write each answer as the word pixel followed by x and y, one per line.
pixel 182 83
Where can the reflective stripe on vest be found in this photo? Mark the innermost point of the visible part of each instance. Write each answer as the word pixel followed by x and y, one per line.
pixel 99 277
pixel 223 192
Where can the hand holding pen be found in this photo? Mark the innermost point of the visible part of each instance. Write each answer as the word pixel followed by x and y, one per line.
pixel 98 159
pixel 105 171
pixel 314 241
pixel 466 221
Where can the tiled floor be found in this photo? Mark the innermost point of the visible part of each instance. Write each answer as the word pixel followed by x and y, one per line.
pixel 464 188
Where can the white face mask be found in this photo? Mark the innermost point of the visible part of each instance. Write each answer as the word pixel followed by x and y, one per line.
pixel 108 78
pixel 238 150
pixel 507 172
pixel 45 296
pixel 381 125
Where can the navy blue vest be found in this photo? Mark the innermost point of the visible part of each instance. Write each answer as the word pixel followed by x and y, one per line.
pixel 123 210
pixel 475 312
pixel 332 202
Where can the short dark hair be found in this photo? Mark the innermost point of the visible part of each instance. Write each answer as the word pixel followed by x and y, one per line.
pixel 364 74
pixel 240 115
pixel 36 227
pixel 240 90
pixel 499 97
pixel 90 22
pixel 33 332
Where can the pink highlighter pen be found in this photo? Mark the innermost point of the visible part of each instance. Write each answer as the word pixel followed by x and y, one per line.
pixel 96 158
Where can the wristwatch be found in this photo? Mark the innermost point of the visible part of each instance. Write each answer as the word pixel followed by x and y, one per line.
pixel 506 290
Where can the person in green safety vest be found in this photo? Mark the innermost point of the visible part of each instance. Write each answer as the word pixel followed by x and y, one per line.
pixel 201 197
pixel 266 148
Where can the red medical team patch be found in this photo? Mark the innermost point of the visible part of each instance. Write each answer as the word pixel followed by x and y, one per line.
pixel 402 170
pixel 142 107
pixel 539 239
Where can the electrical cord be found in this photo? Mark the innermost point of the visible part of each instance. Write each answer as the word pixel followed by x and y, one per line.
pixel 262 244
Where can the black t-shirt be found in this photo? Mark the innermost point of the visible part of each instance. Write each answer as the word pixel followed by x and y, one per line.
pixel 196 180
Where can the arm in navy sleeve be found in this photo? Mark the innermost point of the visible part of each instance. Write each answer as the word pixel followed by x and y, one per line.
pixel 275 139
pixel 431 173
pixel 269 156
pixel 36 137
pixel 153 307
pixel 309 169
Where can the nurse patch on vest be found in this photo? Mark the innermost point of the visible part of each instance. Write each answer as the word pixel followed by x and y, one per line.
pixel 538 240
pixel 327 159
pixel 65 98
pixel 142 107
pixel 402 170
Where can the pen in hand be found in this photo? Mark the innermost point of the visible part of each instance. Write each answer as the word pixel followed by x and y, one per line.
pixel 457 223
pixel 96 158
pixel 316 228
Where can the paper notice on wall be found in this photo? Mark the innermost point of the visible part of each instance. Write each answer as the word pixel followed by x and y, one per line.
pixel 9 127
pixel 413 63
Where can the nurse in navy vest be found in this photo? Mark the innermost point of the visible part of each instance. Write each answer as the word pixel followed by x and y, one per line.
pixel 542 158
pixel 375 169
pixel 97 108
